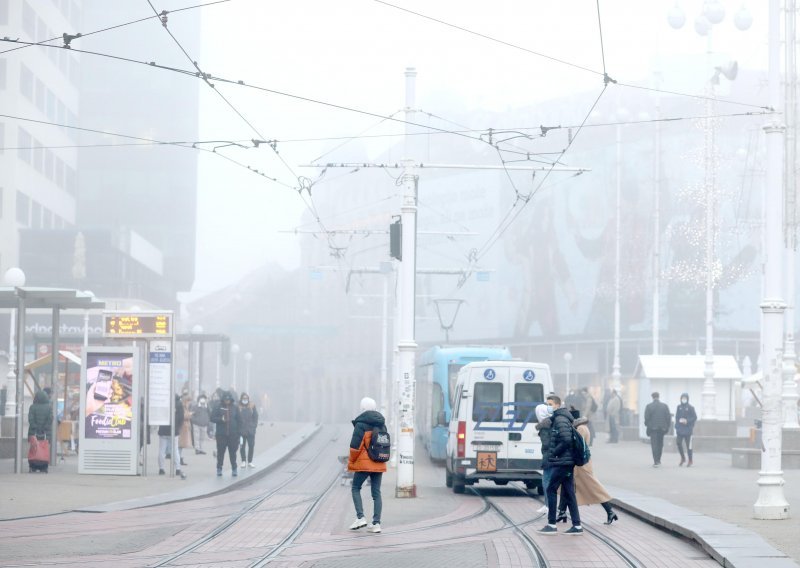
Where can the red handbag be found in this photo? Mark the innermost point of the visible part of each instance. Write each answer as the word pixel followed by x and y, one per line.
pixel 39 450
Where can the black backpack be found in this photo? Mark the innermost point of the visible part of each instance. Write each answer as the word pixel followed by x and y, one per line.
pixel 380 446
pixel 580 450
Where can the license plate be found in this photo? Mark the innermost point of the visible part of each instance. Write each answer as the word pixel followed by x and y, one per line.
pixel 486 461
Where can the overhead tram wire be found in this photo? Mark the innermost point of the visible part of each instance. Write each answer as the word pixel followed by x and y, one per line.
pixel 565 62
pixel 116 26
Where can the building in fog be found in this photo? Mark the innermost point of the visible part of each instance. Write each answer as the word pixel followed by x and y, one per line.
pixel 38 169
pixel 118 220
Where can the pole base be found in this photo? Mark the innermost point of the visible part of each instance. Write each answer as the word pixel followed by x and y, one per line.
pixel 405 492
pixel 771 503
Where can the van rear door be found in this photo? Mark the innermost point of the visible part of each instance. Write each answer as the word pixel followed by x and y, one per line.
pixel 487 422
pixel 526 392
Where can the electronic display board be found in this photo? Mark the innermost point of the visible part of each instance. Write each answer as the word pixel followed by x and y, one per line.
pixel 142 325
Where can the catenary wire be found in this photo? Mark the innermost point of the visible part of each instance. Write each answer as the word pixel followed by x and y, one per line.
pixel 568 63
pixel 116 26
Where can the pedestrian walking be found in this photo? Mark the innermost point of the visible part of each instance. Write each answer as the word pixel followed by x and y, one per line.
pixel 165 444
pixel 544 424
pixel 656 421
pixel 588 411
pixel 685 417
pixel 249 416
pixel 229 429
pixel 363 466
pixel 185 432
pixel 562 466
pixel 613 409
pixel 40 416
pixel 201 418
pixel 588 490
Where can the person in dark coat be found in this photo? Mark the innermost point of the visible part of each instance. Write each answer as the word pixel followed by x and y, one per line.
pixel 657 420
pixel 561 463
pixel 249 416
pixel 201 418
pixel 363 466
pixel 40 416
pixel 685 417
pixel 229 427
pixel 166 445
pixel 544 424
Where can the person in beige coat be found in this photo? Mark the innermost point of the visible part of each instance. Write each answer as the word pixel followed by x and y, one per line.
pixel 588 489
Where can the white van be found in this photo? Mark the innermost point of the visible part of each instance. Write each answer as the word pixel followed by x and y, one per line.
pixel 492 433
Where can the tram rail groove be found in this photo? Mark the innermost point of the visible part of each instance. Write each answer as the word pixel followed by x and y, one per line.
pixel 237 516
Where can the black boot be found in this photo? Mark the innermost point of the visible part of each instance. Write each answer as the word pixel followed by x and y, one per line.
pixel 562 516
pixel 612 516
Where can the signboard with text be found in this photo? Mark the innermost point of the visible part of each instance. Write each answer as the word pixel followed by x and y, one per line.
pixel 159 360
pixel 141 325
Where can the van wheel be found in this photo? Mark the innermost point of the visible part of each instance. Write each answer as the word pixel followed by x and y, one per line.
pixel 459 484
pixel 448 478
pixel 530 485
pixel 501 481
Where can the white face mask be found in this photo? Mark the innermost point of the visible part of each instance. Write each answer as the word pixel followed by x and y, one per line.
pixel 684 400
pixel 245 401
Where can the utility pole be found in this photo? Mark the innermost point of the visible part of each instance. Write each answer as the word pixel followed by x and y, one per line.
pixel 657 225
pixel 407 346
pixel 771 503
pixel 790 395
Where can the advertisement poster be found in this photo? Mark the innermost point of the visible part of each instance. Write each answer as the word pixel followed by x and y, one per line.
pixel 160 361
pixel 109 396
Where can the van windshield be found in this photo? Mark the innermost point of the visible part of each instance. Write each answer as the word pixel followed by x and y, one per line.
pixel 487 402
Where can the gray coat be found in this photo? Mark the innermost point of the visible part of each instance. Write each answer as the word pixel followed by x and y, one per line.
pixel 657 417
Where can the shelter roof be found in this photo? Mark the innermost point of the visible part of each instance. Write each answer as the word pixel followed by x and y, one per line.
pixel 62 298
pixel 686 367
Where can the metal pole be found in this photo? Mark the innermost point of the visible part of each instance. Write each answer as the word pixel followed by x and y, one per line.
pixel 771 503
pixel 407 346
pixel 200 346
pixel 54 384
pixel 616 375
pixel 790 395
pixel 20 381
pixel 173 446
pixel 709 392
pixel 145 418
pixel 384 344
pixel 190 383
pixel 657 229
pixel 219 363
pixel 11 400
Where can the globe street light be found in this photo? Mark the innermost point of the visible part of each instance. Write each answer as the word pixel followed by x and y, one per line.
pixel 567 359
pixel 235 352
pixel 248 357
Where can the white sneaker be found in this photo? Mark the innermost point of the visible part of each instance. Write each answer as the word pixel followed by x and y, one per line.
pixel 250 465
pixel 542 509
pixel 244 464
pixel 359 523
pixel 374 528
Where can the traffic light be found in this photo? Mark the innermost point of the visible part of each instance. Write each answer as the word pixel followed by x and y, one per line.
pixel 396 240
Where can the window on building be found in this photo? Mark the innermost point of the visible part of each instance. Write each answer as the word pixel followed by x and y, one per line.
pixel 23 209
pixel 28 20
pixel 2 137
pixel 2 204
pixel 51 106
pixel 24 142
pixel 3 70
pixel 59 173
pixel 38 156
pixel 49 164
pixel 71 180
pixel 47 218
pixel 61 113
pixel 3 12
pixel 41 31
pixel 40 95
pixel 25 82
pixel 36 215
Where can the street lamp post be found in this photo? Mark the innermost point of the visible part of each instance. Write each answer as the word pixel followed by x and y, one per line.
pixel 567 359
pixel 13 277
pixel 616 374
pixel 248 357
pixel 235 352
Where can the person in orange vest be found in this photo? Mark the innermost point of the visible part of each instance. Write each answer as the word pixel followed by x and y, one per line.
pixel 364 467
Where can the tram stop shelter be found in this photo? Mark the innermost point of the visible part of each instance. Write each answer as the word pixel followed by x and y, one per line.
pixel 672 375
pixel 21 299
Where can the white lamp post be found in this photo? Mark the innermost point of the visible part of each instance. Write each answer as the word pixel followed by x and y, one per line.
pixel 616 371
pixel 567 359
pixel 15 278
pixel 248 357
pixel 235 352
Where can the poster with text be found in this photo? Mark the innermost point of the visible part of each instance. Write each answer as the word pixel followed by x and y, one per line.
pixel 109 396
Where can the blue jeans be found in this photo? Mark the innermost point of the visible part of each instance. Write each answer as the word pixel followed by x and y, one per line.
pixel 359 478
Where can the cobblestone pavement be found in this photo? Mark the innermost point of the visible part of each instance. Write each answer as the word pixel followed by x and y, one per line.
pixel 297 516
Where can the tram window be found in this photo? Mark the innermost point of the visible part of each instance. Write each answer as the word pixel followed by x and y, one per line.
pixel 528 394
pixel 452 377
pixel 487 402
pixel 437 403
